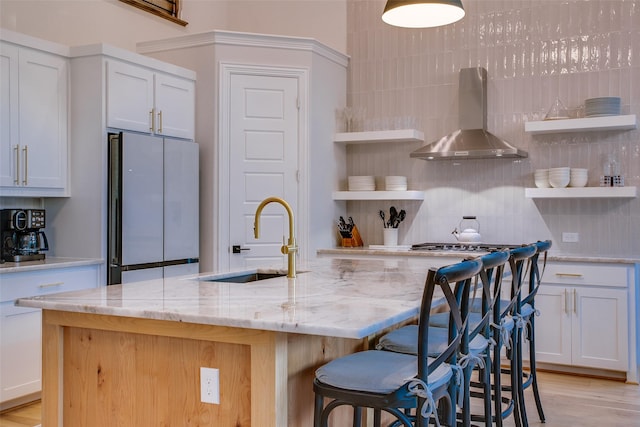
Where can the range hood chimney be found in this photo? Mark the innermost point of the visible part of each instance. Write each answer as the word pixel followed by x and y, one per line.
pixel 472 140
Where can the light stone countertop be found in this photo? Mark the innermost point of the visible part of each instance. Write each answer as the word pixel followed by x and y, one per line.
pixel 334 297
pixel 47 263
pixel 406 253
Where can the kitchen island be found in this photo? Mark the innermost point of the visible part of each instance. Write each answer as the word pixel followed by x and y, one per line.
pixel 131 355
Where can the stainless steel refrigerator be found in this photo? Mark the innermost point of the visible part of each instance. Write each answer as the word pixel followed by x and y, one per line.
pixel 153 208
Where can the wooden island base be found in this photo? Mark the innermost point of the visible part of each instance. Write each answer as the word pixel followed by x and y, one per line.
pixel 101 370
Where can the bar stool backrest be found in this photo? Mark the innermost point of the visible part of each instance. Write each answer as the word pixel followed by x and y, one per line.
pixel 518 261
pixel 534 272
pixel 493 265
pixel 454 281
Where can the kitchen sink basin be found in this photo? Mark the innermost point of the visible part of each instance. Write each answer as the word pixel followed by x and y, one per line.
pixel 245 277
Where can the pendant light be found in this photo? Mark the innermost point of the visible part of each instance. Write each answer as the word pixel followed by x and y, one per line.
pixel 422 13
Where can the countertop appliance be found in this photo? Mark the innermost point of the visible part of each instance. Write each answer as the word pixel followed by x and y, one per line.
pixel 152 208
pixel 22 235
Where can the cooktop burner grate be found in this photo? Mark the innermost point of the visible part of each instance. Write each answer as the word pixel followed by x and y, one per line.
pixel 461 247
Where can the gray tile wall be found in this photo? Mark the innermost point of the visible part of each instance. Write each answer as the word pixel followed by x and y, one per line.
pixel 534 51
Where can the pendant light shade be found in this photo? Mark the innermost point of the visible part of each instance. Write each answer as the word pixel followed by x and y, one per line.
pixel 422 13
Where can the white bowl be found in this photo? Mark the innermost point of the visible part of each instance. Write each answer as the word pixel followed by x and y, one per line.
pixel 579 177
pixel 559 182
pixel 578 182
pixel 560 170
pixel 362 183
pixel 542 183
pixel 541 178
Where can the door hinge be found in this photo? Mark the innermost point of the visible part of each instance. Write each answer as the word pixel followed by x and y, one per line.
pixel 298 103
pixel 298 175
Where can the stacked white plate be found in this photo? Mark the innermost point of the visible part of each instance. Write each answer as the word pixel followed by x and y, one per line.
pixel 362 183
pixel 541 177
pixel 578 177
pixel 605 106
pixel 395 183
pixel 559 177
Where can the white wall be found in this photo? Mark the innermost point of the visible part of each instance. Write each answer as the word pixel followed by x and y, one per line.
pixel 73 22
pixel 534 51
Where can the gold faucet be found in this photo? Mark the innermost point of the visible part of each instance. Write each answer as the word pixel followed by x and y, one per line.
pixel 290 248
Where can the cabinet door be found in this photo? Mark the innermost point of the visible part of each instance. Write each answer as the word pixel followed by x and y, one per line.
pixel 174 106
pixel 129 97
pixel 8 115
pixel 43 91
pixel 600 329
pixel 20 351
pixel 553 326
pixel 20 327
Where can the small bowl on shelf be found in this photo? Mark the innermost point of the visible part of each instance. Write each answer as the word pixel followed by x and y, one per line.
pixel 541 178
pixel 559 177
pixel 578 177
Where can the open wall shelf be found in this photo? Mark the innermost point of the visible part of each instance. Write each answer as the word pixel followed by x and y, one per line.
pixel 627 122
pixel 581 192
pixel 373 137
pixel 378 195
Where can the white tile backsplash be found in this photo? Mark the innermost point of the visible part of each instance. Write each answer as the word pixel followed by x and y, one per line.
pixel 535 51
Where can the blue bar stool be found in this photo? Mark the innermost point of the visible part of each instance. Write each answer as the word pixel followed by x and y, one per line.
pixel 475 348
pixel 413 388
pixel 528 313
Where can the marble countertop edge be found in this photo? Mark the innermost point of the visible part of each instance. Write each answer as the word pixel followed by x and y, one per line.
pixel 365 251
pixel 47 263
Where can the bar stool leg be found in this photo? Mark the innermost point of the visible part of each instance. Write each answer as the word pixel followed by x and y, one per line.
pixel 532 366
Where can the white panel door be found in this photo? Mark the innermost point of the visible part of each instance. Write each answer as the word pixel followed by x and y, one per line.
pixel 43 119
pixel 142 199
pixel 175 103
pixel 600 328
pixel 129 97
pixel 553 326
pixel 181 216
pixel 263 162
pixel 8 115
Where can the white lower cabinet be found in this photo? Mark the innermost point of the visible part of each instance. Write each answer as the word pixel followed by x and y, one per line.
pixel 21 327
pixel 584 316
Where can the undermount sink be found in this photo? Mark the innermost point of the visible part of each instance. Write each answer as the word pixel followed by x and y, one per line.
pixel 244 277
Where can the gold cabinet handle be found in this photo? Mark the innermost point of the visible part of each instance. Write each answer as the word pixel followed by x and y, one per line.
pixel 569 274
pixel 575 301
pixel 50 285
pixel 566 300
pixel 160 121
pixel 26 164
pixel 17 150
pixel 152 124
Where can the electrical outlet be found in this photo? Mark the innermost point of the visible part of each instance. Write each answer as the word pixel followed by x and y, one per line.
pixel 570 237
pixel 210 385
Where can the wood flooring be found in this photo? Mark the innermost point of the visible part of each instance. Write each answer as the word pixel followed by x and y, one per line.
pixel 568 401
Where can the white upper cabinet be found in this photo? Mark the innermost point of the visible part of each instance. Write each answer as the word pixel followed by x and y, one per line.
pixel 142 100
pixel 33 135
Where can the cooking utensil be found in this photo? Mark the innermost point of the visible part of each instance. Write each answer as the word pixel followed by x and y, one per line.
pixel 384 224
pixel 401 216
pixel 393 214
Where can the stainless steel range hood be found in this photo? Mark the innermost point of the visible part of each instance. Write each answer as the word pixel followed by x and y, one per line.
pixel 472 140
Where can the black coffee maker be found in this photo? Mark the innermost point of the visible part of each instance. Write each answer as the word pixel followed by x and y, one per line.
pixel 22 237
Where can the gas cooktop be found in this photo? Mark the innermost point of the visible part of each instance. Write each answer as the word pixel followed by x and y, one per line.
pixel 461 247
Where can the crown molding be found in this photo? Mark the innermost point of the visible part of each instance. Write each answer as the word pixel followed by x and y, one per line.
pixel 232 38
